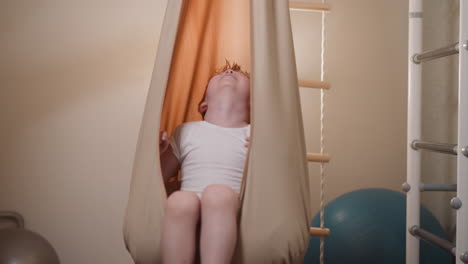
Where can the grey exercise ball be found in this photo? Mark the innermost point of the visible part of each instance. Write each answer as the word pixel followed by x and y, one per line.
pixel 21 246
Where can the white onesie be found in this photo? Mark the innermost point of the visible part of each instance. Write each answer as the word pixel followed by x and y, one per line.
pixel 210 154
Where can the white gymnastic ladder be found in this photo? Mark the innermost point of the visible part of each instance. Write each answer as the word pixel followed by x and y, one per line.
pixel 413 186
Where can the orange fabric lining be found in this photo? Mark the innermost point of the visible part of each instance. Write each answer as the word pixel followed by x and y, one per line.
pixel 209 32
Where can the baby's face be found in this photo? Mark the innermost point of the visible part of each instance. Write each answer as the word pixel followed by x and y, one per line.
pixel 229 79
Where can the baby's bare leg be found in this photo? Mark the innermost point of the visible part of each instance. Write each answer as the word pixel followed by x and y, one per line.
pixel 178 243
pixel 220 205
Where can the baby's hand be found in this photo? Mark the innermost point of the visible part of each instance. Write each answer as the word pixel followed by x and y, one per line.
pixel 248 142
pixel 163 142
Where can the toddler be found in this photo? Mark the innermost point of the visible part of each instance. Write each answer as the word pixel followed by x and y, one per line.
pixel 211 156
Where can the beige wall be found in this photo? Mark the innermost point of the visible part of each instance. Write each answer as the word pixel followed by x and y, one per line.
pixel 73 82
pixel 74 77
pixel 365 120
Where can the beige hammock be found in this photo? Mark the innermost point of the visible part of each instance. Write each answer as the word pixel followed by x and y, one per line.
pixel 196 37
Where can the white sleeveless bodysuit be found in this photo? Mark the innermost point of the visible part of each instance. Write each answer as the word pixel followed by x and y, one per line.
pixel 210 154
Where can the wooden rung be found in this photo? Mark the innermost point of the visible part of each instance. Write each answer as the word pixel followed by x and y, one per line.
pixel 316 157
pixel 315 231
pixel 309 6
pixel 314 84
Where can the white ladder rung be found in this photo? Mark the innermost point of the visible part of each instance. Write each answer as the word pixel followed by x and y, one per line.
pixel 437 53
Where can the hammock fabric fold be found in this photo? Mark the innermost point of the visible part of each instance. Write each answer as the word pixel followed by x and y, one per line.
pixel 197 36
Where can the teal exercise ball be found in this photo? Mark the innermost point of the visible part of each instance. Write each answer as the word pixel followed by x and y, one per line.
pixel 368 226
pixel 21 246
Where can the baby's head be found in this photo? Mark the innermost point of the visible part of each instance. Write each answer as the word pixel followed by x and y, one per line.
pixel 229 85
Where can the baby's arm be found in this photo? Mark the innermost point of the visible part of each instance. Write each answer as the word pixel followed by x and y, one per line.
pixel 169 163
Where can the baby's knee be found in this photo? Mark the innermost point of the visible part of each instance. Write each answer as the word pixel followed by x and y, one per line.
pixel 220 195
pixel 183 204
